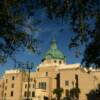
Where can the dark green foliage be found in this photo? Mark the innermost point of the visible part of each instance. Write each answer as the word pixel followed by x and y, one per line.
pixel 74 92
pixel 46 98
pixel 67 98
pixel 94 94
pixel 92 51
pixel 80 12
pixel 12 39
pixel 58 92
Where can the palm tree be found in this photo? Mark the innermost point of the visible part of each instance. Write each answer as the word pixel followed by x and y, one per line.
pixel 58 92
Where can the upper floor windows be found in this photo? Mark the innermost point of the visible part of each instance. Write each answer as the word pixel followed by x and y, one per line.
pixel 13 77
pixel 6 80
pixel 60 62
pixel 66 83
pixel 42 85
pixel 12 86
pixel 38 69
pixel 25 85
pixel 55 61
pixel 46 73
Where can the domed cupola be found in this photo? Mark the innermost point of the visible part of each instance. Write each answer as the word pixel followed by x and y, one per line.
pixel 54 52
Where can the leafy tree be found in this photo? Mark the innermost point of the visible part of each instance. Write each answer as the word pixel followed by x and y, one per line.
pixel 94 94
pixel 74 93
pixel 12 38
pixel 58 92
pixel 80 13
pixel 92 54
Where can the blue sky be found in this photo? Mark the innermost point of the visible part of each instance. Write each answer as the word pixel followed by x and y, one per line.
pixel 45 29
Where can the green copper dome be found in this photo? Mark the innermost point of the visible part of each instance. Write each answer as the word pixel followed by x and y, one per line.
pixel 54 52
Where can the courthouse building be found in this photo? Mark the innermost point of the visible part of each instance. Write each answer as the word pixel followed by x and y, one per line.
pixel 52 72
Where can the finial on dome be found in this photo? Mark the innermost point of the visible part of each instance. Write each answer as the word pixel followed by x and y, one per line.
pixel 53 43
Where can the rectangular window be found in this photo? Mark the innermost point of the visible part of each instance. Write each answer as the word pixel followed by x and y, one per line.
pixel 6 80
pixel 66 83
pixel 33 94
pixel 12 93
pixel 12 86
pixel 42 85
pixel 46 73
pixel 13 77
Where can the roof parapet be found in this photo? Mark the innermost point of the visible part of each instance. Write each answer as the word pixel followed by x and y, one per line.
pixel 12 71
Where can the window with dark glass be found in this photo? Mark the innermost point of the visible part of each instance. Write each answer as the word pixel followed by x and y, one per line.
pixel 60 62
pixel 66 82
pixel 13 77
pixel 12 93
pixel 76 78
pixel 46 73
pixel 42 85
pixel 33 94
pixel 5 94
pixel 38 69
pixel 12 86
pixel 55 61
pixel 6 80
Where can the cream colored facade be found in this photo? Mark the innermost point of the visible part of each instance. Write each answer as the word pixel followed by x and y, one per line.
pixel 14 84
pixel 1 89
